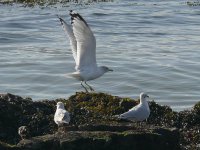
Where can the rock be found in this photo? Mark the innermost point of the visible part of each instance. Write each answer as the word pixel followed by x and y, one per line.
pixel 103 127
pixel 99 140
pixel 39 143
pixel 6 146
pixel 16 111
pixel 91 117
pixel 44 3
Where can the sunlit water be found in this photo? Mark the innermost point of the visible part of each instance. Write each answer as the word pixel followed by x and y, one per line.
pixel 152 46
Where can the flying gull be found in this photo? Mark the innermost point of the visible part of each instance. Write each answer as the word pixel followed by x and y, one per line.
pixel 138 113
pixel 83 45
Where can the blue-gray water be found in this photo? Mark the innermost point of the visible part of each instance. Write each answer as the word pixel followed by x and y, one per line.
pixel 153 46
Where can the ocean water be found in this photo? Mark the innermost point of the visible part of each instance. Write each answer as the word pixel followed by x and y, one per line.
pixel 152 46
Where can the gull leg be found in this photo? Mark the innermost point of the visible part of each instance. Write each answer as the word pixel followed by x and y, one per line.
pixel 91 89
pixel 84 87
pixel 147 124
pixel 138 125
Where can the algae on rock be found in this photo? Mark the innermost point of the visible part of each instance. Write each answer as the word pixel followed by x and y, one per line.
pixel 92 112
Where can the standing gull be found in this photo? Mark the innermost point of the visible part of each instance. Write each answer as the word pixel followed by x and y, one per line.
pixel 139 112
pixel 24 132
pixel 83 45
pixel 61 116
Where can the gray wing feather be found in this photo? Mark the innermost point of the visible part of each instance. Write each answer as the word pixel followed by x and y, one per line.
pixel 86 42
pixel 71 36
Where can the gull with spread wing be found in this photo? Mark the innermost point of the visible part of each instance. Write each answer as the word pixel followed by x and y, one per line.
pixel 83 45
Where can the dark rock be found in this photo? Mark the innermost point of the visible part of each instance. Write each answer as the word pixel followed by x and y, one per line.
pixel 103 127
pixel 98 140
pixel 45 3
pixel 16 111
pixel 39 143
pixel 6 146
pixel 91 117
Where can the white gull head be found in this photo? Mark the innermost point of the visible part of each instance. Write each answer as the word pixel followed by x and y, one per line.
pixel 60 105
pixel 143 97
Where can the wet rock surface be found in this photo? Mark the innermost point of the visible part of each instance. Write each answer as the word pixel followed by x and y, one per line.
pixel 95 140
pixel 93 125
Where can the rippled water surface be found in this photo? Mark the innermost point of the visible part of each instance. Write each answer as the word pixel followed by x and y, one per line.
pixel 153 46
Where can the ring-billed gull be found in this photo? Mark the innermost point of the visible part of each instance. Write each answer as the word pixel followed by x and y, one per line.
pixel 24 132
pixel 83 45
pixel 61 116
pixel 139 112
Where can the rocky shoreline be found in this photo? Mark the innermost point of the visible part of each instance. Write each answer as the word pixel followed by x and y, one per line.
pixel 48 3
pixel 93 125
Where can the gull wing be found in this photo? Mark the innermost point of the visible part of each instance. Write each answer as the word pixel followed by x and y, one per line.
pixel 86 42
pixel 131 114
pixel 71 36
pixel 66 117
pixel 128 115
pixel 62 116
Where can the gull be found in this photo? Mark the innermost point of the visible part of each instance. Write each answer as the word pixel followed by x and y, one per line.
pixel 24 132
pixel 138 113
pixel 61 116
pixel 83 45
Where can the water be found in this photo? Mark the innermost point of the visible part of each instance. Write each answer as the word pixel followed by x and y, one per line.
pixel 153 46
